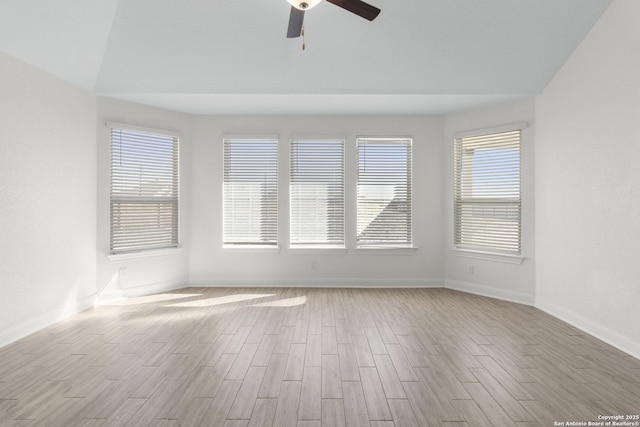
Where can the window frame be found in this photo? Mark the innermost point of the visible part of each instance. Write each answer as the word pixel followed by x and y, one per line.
pixel 324 246
pixel 479 251
pixel 136 252
pixel 251 247
pixel 381 247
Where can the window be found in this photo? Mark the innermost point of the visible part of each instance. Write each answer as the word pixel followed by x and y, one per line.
pixel 144 190
pixel 487 192
pixel 316 187
pixel 384 192
pixel 250 199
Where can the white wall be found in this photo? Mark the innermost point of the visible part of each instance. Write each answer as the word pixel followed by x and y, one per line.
pixel 210 265
pixel 48 193
pixel 130 275
pixel 588 183
pixel 515 282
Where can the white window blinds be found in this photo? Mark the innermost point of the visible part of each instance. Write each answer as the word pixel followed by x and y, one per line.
pixel 250 199
pixel 384 192
pixel 316 191
pixel 487 192
pixel 144 190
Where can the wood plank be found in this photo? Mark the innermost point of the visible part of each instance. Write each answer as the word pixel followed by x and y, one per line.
pixel 375 340
pixel 272 382
pixel 374 396
pixel 263 413
pixel 363 351
pixel 333 413
pixel 355 325
pixel 216 412
pixel 401 363
pixel 238 339
pixel 287 409
pixel 315 323
pixel 159 400
pixel 283 342
pixel 300 332
pixel 505 399
pixel 489 406
pixel 389 377
pixel 311 394
pixel 348 363
pixel 313 355
pixel 90 422
pixel 331 379
pixel 386 333
pixel 242 362
pixel 295 363
pixel 247 395
pixel 264 351
pixel 427 409
pixel 447 384
pixel 506 379
pixel 402 413
pixel 207 380
pixel 275 322
pixel 257 331
pixel 473 414
pixel 329 340
pixel 354 403
pixel 125 412
pixel 343 335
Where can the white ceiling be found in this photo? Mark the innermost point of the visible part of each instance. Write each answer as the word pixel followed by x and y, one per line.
pixel 232 56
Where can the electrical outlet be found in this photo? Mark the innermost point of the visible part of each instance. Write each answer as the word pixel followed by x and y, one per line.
pixel 314 264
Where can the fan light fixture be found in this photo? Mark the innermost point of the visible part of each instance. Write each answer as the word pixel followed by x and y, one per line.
pixel 298 7
pixel 304 4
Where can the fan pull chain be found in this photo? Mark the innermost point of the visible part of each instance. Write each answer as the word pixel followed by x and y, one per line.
pixel 302 32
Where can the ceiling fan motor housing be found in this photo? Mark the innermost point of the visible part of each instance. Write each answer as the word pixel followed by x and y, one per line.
pixel 304 4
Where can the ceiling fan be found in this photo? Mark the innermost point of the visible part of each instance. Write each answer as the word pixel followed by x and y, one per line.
pixel 298 7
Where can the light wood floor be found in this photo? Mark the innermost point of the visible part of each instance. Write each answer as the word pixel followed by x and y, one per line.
pixel 313 357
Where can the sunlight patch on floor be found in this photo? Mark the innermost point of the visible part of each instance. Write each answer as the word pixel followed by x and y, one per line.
pixel 208 302
pixel 288 302
pixel 149 299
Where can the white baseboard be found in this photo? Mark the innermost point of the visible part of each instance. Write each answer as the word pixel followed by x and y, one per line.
pixel 603 333
pixel 306 282
pixel 44 320
pixel 488 291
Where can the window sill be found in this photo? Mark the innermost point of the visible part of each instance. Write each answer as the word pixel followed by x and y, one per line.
pixel 144 254
pixel 488 256
pixel 328 250
pixel 250 249
pixel 386 250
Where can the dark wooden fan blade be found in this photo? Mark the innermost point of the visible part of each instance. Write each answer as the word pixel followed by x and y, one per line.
pixel 296 17
pixel 358 7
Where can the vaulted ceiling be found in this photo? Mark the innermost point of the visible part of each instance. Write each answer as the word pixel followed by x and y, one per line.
pixel 232 56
